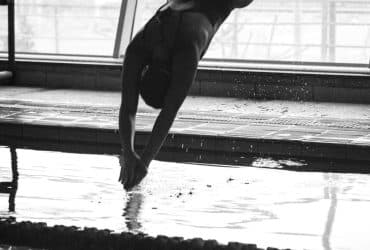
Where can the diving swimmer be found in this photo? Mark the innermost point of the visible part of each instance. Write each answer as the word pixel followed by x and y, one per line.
pixel 160 65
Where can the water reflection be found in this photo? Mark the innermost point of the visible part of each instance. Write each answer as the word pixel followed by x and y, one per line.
pixel 330 192
pixel 132 211
pixel 311 165
pixel 11 187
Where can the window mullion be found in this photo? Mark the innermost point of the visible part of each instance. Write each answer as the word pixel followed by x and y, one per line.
pixel 125 26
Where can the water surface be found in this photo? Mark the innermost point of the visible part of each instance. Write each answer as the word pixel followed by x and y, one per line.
pixel 269 207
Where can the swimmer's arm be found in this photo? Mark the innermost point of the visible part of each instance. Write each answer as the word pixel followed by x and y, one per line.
pixel 160 131
pixel 176 95
pixel 127 131
pixel 127 115
pixel 240 3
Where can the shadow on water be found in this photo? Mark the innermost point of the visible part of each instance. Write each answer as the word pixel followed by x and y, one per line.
pixel 11 187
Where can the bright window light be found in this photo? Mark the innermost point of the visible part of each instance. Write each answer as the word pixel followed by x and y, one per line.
pixel 303 31
pixel 323 31
pixel 76 27
pixel 3 28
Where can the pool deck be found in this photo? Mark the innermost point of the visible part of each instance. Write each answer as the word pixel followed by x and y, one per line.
pixel 227 128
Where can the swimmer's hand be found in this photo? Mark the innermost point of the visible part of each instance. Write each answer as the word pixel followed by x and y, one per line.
pixel 133 170
pixel 241 3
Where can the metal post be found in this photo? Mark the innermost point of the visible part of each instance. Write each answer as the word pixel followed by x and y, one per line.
pixel 118 40
pixel 332 31
pixel 297 30
pixel 15 174
pixel 125 26
pixel 234 39
pixel 14 159
pixel 11 39
pixel 56 29
pixel 324 31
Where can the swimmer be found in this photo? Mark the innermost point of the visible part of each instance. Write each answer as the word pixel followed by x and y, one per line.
pixel 160 65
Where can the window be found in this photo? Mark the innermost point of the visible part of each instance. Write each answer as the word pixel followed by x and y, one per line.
pixel 64 27
pixel 144 10
pixel 3 28
pixel 324 31
pixel 283 31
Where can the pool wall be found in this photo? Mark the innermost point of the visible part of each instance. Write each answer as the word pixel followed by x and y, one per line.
pixel 185 147
pixel 210 81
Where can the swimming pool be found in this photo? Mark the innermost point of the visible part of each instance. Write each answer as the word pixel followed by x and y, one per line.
pixel 265 206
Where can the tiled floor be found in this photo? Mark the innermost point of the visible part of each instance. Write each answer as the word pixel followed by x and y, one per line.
pixel 329 123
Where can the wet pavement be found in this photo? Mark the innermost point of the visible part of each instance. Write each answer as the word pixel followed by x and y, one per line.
pixel 345 124
pixel 262 204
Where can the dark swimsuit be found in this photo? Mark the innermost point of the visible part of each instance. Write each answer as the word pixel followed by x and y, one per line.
pixel 163 26
pixel 166 32
pixel 216 10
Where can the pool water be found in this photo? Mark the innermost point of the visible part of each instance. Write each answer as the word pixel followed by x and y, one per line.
pixel 268 207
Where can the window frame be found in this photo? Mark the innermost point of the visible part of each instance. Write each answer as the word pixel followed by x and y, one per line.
pixel 124 34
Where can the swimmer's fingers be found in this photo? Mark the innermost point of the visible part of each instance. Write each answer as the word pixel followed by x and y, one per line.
pixel 122 171
pixel 125 170
pixel 140 171
pixel 130 178
pixel 123 175
pixel 140 175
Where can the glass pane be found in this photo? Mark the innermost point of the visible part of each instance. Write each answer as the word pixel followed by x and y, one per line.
pixel 333 31
pixel 144 10
pixel 297 30
pixel 3 28
pixel 67 27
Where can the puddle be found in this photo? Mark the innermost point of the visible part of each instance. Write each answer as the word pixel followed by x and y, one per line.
pixel 264 206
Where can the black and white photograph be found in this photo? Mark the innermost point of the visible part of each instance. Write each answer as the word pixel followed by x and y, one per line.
pixel 185 125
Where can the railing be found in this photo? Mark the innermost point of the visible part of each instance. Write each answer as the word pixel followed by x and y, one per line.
pixel 308 32
pixel 323 31
pixel 283 31
pixel 11 187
